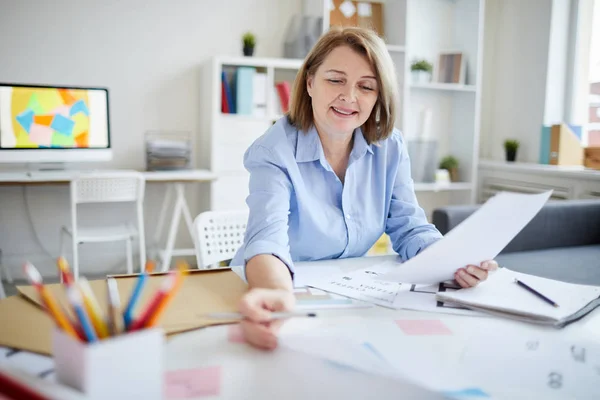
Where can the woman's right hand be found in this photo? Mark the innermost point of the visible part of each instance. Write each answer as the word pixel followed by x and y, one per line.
pixel 256 307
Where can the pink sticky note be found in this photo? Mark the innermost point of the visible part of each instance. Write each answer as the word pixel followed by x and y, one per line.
pixel 195 382
pixel 423 327
pixel 62 110
pixel 41 135
pixel 235 335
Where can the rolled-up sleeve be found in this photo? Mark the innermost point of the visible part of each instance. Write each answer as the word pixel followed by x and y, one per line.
pixel 407 224
pixel 269 204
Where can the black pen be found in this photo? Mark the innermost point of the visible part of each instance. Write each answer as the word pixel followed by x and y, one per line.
pixel 538 294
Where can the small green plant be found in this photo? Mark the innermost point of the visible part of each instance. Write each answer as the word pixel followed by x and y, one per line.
pixel 449 163
pixel 511 145
pixel 421 65
pixel 249 39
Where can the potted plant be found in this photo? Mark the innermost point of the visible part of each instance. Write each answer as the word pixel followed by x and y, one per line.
pixel 510 147
pixel 249 42
pixel 421 71
pixel 450 163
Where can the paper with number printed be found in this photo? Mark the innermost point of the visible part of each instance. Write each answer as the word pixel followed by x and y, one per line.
pixel 479 238
pixel 550 367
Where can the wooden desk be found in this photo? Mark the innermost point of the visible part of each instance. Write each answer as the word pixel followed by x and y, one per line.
pixel 433 360
pixel 174 197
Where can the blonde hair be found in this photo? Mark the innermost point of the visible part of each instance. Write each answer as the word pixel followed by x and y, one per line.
pixel 380 123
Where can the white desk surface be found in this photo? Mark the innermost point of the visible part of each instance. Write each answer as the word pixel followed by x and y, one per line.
pixel 431 360
pixel 66 176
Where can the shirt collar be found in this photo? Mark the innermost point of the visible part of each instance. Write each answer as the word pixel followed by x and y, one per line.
pixel 309 147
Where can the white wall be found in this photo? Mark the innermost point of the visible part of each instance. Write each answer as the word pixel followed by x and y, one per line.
pixel 515 69
pixel 148 53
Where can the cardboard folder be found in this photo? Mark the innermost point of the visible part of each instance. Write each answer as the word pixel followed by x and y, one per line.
pixel 26 326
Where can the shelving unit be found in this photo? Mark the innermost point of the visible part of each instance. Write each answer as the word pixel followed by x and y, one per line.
pixel 414 29
pixel 225 137
pixel 444 86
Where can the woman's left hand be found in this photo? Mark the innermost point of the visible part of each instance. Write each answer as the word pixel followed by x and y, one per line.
pixel 472 275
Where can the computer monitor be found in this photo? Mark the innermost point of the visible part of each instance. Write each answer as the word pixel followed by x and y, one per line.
pixel 53 124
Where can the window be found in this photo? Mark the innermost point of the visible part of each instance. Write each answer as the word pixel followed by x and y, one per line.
pixel 593 106
pixel 583 79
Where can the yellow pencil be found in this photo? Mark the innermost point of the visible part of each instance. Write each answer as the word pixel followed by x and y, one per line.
pixel 93 309
pixel 160 309
pixel 64 270
pixel 49 301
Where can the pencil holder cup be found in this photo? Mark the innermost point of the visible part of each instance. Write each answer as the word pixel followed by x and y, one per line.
pixel 128 366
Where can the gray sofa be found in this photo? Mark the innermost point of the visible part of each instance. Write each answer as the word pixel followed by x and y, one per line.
pixel 561 242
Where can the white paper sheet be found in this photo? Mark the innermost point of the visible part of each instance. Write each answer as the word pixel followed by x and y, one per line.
pixel 479 238
pixel 363 285
pixel 308 273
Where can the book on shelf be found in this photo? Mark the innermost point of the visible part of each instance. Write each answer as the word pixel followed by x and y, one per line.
pixel 283 90
pixel 244 91
pixel 560 144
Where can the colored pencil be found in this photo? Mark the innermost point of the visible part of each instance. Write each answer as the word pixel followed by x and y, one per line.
pixel 273 316
pixel 49 301
pixel 78 307
pixel 163 291
pixel 115 317
pixel 137 291
pixel 64 270
pixel 150 265
pixel 93 309
pixel 162 306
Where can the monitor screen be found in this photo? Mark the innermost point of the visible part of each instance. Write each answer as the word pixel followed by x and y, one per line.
pixel 53 118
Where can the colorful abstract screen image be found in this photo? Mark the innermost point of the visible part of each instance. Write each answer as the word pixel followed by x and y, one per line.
pixel 52 117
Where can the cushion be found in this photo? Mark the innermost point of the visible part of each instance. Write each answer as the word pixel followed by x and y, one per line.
pixel 577 264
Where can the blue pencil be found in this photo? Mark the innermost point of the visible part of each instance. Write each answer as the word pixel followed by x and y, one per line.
pixel 137 290
pixel 77 303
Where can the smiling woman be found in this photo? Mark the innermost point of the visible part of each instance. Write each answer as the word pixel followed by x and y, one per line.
pixel 329 178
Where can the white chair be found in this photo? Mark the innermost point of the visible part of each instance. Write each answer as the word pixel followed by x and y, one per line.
pixel 218 235
pixel 113 187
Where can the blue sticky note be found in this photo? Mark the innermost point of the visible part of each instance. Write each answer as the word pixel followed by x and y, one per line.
pixel 62 125
pixel 25 119
pixel 79 106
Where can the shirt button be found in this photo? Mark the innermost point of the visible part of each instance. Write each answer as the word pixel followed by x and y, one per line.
pixel 348 216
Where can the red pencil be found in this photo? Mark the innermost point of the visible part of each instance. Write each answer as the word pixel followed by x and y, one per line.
pixel 162 292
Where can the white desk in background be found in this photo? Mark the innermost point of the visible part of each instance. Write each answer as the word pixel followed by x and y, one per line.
pixel 174 196
pixel 434 350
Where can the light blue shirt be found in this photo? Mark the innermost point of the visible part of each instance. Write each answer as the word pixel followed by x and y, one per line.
pixel 301 211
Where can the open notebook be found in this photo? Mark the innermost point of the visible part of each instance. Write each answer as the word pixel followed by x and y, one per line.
pixel 500 295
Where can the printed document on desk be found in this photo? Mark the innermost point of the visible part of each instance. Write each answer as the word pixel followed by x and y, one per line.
pixel 479 238
pixel 365 285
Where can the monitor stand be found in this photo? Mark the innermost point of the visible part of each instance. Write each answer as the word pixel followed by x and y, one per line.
pixel 49 166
